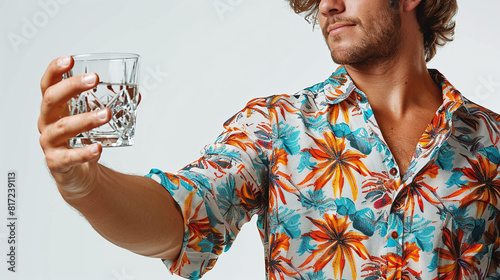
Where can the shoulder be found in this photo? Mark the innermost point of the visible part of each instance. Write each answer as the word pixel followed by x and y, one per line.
pixel 296 100
pixel 270 109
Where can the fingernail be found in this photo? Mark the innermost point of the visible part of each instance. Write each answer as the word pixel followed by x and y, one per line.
pixel 64 61
pixel 89 79
pixel 102 114
pixel 94 148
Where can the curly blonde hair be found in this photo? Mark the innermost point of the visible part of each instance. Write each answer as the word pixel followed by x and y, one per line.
pixel 435 18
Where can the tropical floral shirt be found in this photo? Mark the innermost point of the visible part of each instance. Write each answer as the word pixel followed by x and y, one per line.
pixel 330 199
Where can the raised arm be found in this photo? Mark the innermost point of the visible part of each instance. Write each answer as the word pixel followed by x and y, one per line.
pixel 133 212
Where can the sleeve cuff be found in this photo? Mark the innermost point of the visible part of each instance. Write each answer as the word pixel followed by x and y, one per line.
pixel 196 251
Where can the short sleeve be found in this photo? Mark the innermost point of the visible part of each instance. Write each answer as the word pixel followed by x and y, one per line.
pixel 222 190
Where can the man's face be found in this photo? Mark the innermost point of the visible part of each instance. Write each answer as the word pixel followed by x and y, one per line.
pixel 360 32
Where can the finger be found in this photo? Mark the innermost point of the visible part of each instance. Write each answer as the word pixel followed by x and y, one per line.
pixel 55 70
pixel 61 159
pixel 68 127
pixel 54 102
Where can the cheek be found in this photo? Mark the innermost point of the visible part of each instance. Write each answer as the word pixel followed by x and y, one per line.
pixel 370 24
pixel 322 21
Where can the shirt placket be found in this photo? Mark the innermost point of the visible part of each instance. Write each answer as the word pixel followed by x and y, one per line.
pixel 395 237
pixel 394 233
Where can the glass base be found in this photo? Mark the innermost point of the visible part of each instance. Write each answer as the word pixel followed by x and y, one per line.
pixel 79 142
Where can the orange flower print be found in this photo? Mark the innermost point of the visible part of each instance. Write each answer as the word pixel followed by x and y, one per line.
pixel 335 245
pixel 458 259
pixel 483 184
pixel 335 162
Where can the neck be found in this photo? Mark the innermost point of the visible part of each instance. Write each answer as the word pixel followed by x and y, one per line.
pixel 397 84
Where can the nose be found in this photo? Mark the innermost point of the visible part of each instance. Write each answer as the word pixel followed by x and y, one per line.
pixel 330 7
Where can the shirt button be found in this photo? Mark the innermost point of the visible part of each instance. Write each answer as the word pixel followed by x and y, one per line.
pixel 394 235
pixel 393 171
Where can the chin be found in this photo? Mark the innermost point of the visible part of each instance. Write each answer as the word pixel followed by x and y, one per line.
pixel 343 56
pixel 341 51
pixel 360 54
pixel 339 59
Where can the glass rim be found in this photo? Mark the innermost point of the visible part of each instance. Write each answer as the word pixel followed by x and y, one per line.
pixel 104 56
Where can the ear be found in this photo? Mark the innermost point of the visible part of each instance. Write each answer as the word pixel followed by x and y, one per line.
pixel 410 5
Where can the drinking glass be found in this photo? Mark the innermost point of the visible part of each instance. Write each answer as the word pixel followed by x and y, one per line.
pixel 117 90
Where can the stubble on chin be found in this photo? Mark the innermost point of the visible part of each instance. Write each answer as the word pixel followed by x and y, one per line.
pixel 340 55
pixel 376 45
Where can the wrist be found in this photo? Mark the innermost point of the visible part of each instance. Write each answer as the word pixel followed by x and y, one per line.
pixel 89 196
pixel 73 186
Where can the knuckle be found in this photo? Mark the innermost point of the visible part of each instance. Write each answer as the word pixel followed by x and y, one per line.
pixel 49 98
pixel 61 126
pixel 43 141
pixel 40 125
pixel 51 160
pixel 50 164
pixel 43 85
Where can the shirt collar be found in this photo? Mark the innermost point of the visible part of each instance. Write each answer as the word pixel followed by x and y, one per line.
pixel 452 98
pixel 339 86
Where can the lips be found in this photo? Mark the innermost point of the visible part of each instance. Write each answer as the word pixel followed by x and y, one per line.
pixel 337 28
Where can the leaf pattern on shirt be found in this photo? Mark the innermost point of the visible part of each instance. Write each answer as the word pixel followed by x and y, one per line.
pixel 329 199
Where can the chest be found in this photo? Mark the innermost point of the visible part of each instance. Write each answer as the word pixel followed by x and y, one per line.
pixel 402 135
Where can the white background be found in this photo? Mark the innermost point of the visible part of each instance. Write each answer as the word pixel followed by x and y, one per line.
pixel 202 60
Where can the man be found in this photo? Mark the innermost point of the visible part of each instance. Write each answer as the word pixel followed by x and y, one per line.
pixel 383 171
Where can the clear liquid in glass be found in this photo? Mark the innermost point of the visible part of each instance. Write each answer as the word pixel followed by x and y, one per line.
pixel 122 100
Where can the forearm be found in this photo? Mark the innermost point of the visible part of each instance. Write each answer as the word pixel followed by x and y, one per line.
pixel 133 212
